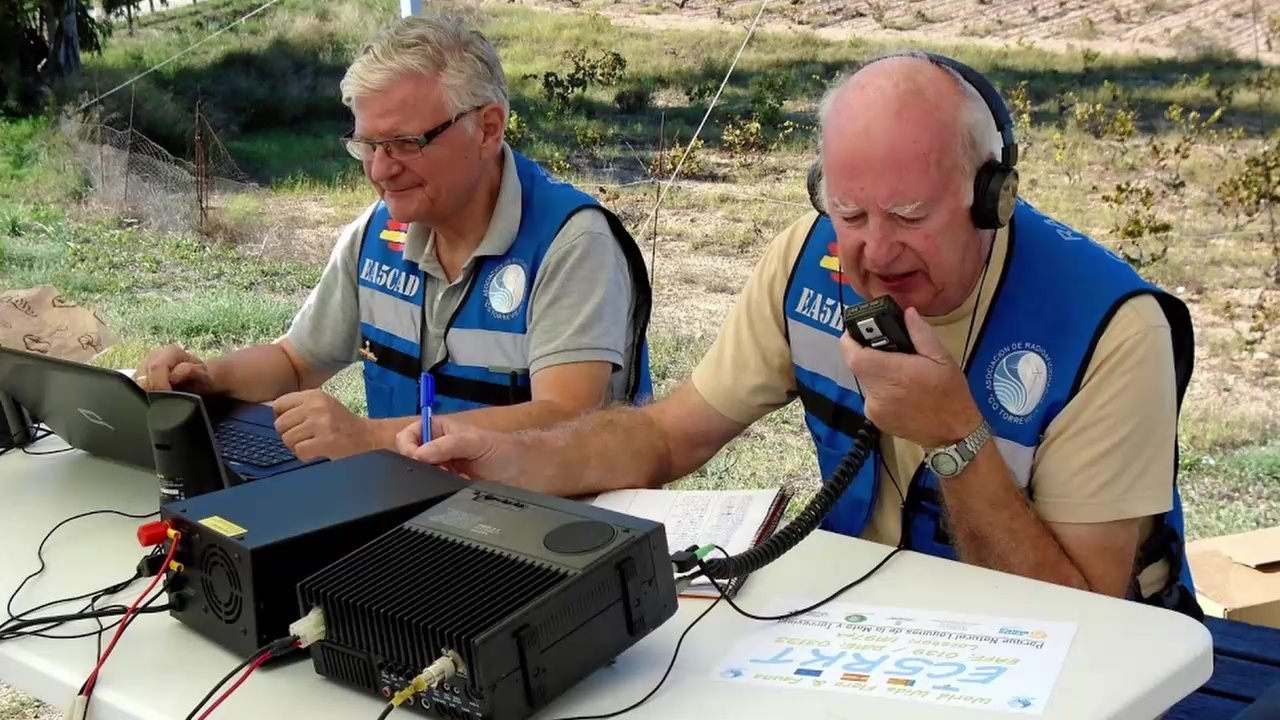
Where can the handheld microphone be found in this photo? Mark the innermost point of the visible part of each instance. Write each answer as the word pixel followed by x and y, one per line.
pixel 187 461
pixel 877 323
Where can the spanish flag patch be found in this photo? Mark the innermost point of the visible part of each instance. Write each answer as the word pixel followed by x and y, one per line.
pixel 394 234
pixel 831 262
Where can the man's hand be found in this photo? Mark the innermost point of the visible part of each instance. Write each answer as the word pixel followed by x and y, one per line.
pixel 314 424
pixel 466 450
pixel 172 368
pixel 923 398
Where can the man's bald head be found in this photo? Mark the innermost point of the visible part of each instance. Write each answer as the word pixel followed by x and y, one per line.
pixel 909 99
pixel 901 141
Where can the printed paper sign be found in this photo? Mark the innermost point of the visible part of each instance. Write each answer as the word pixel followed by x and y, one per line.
pixel 971 661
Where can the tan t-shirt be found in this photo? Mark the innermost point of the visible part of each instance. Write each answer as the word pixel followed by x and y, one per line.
pixel 1108 455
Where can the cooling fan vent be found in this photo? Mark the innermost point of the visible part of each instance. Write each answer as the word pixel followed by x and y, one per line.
pixel 220 584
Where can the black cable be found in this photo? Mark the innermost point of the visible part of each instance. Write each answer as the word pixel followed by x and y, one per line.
pixel 143 570
pixel 13 438
pixel 47 452
pixel 145 607
pixel 94 595
pixel 801 611
pixel 807 521
pixel 721 595
pixel 26 449
pixel 248 661
pixel 16 629
pixel 274 648
pixel 386 711
pixel 40 549
pixel 665 675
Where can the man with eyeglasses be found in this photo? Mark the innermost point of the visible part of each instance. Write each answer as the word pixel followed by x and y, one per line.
pixel 525 300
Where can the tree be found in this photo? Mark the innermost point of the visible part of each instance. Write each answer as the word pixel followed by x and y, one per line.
pixel 41 42
pixel 1255 190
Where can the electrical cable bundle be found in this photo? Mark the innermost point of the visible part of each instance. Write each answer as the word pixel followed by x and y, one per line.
pixel 38 433
pixel 80 704
pixel 308 629
pixel 253 662
pixel 443 668
pixel 20 624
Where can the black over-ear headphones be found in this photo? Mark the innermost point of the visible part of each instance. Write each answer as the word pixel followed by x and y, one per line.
pixel 995 187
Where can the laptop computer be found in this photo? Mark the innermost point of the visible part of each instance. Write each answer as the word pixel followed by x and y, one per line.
pixel 104 413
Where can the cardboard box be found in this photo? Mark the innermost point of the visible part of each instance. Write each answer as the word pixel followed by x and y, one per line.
pixel 1238 576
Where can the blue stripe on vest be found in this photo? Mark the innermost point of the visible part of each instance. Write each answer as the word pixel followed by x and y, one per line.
pixel 495 300
pixel 1057 292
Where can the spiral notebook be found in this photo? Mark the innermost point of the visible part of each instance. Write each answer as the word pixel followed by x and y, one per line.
pixel 736 520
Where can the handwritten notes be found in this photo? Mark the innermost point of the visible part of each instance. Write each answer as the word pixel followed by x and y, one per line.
pixel 733 519
pixel 922 655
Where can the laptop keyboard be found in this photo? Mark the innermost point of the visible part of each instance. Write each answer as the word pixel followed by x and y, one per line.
pixel 250 449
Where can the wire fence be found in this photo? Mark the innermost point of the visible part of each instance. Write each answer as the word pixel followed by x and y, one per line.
pixel 143 183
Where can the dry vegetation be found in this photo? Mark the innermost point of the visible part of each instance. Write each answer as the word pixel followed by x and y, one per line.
pixel 1247 27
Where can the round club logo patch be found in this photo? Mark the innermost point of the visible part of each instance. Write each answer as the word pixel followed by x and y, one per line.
pixel 505 288
pixel 1017 380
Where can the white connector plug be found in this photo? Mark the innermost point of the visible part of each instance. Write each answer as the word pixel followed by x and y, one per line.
pixel 309 628
pixel 79 708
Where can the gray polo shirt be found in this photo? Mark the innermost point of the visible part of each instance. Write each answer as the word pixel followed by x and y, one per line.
pixel 579 305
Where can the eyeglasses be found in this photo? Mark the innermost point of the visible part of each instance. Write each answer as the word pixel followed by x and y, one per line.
pixel 406 147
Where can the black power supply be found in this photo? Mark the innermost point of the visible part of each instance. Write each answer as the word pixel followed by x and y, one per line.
pixel 245 548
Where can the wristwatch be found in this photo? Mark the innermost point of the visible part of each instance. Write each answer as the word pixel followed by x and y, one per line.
pixel 949 461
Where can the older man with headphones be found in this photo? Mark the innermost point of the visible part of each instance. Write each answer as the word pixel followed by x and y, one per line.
pixel 1033 429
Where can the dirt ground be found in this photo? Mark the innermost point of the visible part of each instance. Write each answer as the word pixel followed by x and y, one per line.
pixel 1247 28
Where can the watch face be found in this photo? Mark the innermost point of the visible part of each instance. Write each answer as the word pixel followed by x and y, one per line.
pixel 944 465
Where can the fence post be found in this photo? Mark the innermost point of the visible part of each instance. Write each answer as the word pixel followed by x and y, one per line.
pixel 201 171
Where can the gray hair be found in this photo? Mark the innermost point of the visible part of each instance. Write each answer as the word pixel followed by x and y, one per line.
pixel 446 43
pixel 979 141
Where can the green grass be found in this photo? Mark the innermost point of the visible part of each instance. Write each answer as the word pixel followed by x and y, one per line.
pixel 1214 484
pixel 157 288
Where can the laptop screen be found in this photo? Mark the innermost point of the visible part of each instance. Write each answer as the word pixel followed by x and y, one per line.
pixel 97 410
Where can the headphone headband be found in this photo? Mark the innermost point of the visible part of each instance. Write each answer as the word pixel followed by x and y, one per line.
pixel 995 185
pixel 999 111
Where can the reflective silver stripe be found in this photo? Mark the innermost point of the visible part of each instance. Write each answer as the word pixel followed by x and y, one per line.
pixel 819 352
pixel 390 314
pixel 488 348
pixel 1019 458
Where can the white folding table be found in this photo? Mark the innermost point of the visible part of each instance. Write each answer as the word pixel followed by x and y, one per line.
pixel 1127 661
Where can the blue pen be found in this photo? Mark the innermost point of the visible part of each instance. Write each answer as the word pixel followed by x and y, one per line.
pixel 427 396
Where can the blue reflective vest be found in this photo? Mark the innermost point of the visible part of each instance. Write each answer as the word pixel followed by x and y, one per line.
pixel 486 363
pixel 1056 293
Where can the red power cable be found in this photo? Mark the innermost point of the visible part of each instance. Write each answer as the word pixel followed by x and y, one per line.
pixel 244 676
pixel 124 622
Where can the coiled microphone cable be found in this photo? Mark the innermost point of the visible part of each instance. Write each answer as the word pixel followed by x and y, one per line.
pixel 807 521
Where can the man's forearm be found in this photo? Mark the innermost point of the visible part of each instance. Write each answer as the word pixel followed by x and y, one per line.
pixel 992 524
pixel 613 449
pixel 530 415
pixel 258 373
pixel 508 419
